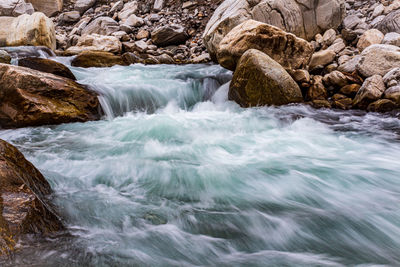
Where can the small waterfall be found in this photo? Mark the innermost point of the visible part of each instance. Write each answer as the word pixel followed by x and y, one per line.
pixel 18 52
pixel 139 88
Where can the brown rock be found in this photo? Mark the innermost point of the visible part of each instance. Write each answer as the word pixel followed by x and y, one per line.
pixel 382 105
pixel 32 98
pixel 23 191
pixel 259 80
pixel 321 104
pixel 322 58
pixel 285 48
pixel 48 7
pixel 47 65
pixel 317 91
pixel 368 38
pixel 350 90
pixel 97 59
pixel 393 93
pixel 169 35
pixel 342 102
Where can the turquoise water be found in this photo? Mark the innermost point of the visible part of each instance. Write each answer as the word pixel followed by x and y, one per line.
pixel 176 175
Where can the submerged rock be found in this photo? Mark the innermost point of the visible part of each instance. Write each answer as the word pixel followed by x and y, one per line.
pixel 285 48
pixel 89 59
pixel 47 65
pixel 23 207
pixel 32 98
pixel 259 80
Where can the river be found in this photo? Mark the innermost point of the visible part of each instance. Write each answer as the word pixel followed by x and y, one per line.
pixel 176 175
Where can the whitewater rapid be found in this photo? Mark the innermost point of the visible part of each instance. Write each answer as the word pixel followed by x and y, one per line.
pixel 176 175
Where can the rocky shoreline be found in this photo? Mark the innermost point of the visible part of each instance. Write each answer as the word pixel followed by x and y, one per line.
pixel 336 54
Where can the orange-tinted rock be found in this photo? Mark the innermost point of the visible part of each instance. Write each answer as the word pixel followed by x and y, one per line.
pixel 98 59
pixel 47 65
pixel 32 98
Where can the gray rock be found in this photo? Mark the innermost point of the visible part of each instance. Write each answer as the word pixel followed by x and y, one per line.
pixel 392 78
pixel 378 59
pixel 371 90
pixel 391 23
pixel 158 5
pixel 133 21
pixel 83 5
pixel 102 26
pixel 15 8
pixel 169 35
pixel 392 38
pixel 69 17
pixel 350 65
pixel 393 93
pixel 128 9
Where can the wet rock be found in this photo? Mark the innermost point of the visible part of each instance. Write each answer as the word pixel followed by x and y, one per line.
pixel 322 58
pixel 15 8
pixel 4 57
pixel 48 7
pixel 169 35
pixel 83 5
pixel 301 76
pixel 318 103
pixel 131 58
pixel 350 90
pixel 344 103
pixel 98 59
pixel 32 98
pixel 304 19
pixel 370 37
pixel 378 60
pixel 95 42
pixel 46 65
pixel 382 105
pixel 259 80
pixel 393 93
pixel 370 91
pixel 285 48
pixel 24 208
pixel 336 79
pixel 35 30
pixel 102 26
pixel 317 90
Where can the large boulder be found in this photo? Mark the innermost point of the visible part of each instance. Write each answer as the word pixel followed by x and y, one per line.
pixel 48 7
pixel 371 90
pixel 102 26
pixel 95 42
pixel 285 48
pixel 391 23
pixel 259 80
pixel 35 30
pixel 169 35
pixel 378 59
pixel 23 205
pixel 32 98
pixel 46 65
pixel 98 59
pixel 304 18
pixel 15 8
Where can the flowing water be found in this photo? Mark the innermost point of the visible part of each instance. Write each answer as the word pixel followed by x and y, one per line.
pixel 176 175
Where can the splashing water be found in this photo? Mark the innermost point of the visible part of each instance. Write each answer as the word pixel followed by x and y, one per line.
pixel 179 176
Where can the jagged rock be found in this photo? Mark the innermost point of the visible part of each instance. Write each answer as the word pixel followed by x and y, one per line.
pixel 4 57
pixel 378 59
pixel 392 78
pixel 128 9
pixel 335 78
pixel 102 26
pixel 301 76
pixel 69 17
pixel 83 5
pixel 95 42
pixel 371 90
pixel 337 46
pixel 169 35
pixel 344 103
pixel 329 37
pixel 32 98
pixel 351 65
pixel 393 93
pixel 382 105
pixel 138 46
pixel 35 29
pixel 15 8
pixel 392 38
pixel 28 51
pixel 321 104
pixel 158 5
pixel 285 48
pixel 317 90
pixel 142 34
pixel 370 37
pixel 23 205
pixel 131 58
pixel 322 58
pixel 48 7
pixel 46 65
pixel 350 90
pixel 303 18
pixel 97 59
pixel 259 80
pixel 391 23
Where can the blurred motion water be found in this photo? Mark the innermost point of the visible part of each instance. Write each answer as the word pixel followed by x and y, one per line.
pixel 176 175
